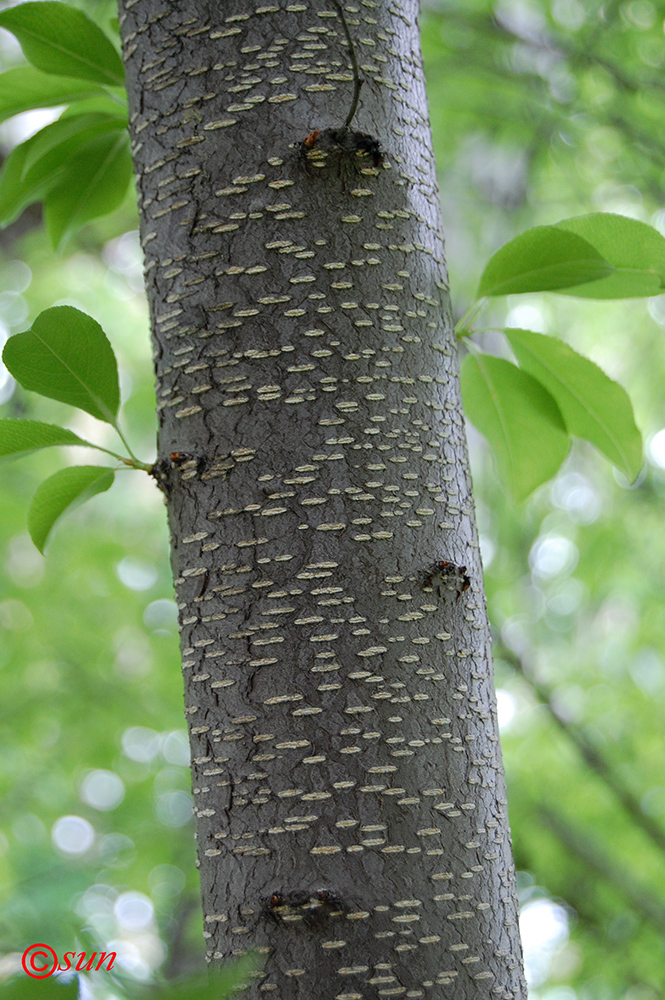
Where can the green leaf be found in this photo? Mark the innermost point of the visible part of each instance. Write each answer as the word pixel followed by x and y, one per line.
pixel 20 437
pixel 94 184
pixel 67 356
pixel 64 491
pixel 25 88
pixel 48 159
pixel 542 259
pixel 634 249
pixel 102 103
pixel 57 145
pixel 593 406
pixel 61 40
pixel 519 418
pixel 15 193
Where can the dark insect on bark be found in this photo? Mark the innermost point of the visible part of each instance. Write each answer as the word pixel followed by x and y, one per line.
pixel 161 471
pixel 313 910
pixel 445 575
pixel 158 471
pixel 343 148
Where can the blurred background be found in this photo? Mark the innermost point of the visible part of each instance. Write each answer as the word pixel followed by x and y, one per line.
pixel 541 110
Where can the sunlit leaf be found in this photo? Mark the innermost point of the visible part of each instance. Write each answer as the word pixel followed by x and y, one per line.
pixel 65 155
pixel 15 193
pixel 25 88
pixel 58 144
pixel 101 103
pixel 519 418
pixel 61 40
pixel 636 252
pixel 67 356
pixel 593 406
pixel 542 259
pixel 94 184
pixel 64 491
pixel 20 437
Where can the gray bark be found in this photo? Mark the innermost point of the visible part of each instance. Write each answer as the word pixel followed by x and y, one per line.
pixel 346 764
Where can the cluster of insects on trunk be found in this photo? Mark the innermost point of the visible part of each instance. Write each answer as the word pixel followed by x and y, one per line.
pixel 163 467
pixel 189 466
pixel 343 148
pixel 312 910
pixel 446 577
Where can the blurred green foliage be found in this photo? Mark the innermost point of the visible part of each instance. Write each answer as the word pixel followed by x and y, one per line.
pixel 540 111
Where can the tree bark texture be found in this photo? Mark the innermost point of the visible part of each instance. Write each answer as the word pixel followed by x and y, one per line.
pixel 349 796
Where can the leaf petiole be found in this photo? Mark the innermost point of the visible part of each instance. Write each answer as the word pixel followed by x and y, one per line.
pixel 132 461
pixel 462 324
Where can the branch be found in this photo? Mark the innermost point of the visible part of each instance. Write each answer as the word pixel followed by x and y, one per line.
pixel 595 858
pixel 593 757
pixel 182 959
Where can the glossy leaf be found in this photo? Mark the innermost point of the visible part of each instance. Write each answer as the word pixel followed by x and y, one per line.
pixel 25 88
pixel 94 184
pixel 15 193
pixel 63 155
pixel 61 40
pixel 635 250
pixel 64 491
pixel 20 437
pixel 542 259
pixel 67 356
pixel 100 103
pixel 519 418
pixel 57 145
pixel 592 405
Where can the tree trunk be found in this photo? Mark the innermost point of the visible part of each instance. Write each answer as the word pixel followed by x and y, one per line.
pixel 346 764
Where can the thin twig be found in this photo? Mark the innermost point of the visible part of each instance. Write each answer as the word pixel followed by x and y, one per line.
pixel 357 79
pixel 593 757
pixel 595 858
pixel 183 959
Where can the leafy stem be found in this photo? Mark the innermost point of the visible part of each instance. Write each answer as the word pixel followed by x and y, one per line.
pixel 462 325
pixel 107 451
pixel 132 461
